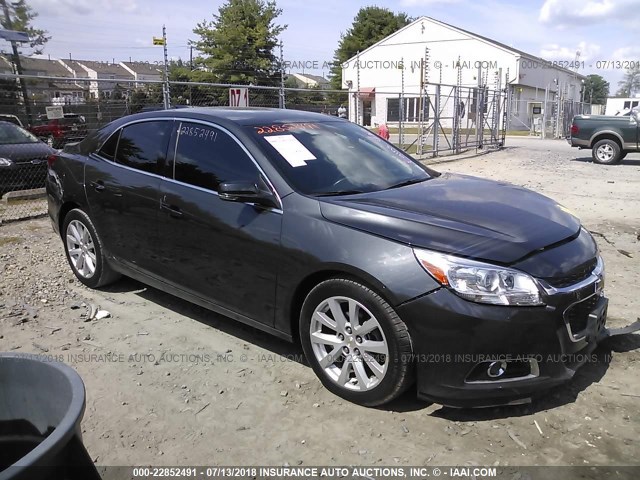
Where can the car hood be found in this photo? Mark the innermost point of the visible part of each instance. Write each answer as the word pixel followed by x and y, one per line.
pixel 461 215
pixel 21 152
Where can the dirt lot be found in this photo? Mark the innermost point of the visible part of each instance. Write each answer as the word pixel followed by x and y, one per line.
pixel 186 386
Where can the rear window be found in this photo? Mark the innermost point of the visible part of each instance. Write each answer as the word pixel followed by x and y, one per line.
pixel 11 134
pixel 143 145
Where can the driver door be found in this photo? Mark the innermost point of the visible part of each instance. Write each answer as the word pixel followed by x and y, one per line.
pixel 222 251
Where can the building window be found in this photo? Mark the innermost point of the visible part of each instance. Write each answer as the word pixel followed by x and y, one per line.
pixel 516 101
pixel 411 109
pixel 393 109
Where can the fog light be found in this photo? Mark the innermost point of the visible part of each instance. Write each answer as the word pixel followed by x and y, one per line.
pixel 497 369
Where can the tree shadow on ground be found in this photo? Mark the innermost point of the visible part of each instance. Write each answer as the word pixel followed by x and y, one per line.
pixel 245 333
pixel 590 373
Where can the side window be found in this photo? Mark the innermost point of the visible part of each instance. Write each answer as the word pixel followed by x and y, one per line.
pixel 206 157
pixel 143 145
pixel 108 150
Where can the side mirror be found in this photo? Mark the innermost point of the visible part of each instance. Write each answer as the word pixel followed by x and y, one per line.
pixel 246 192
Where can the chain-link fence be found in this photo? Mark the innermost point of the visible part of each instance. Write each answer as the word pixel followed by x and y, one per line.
pixel 442 118
pixel 58 111
pixel 436 119
pixel 550 118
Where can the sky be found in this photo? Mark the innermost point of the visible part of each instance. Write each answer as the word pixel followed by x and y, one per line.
pixel 107 30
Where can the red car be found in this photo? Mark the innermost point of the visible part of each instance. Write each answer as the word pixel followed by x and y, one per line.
pixel 58 132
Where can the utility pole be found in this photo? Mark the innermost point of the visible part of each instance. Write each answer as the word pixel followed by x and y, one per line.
pixel 16 60
pixel 190 57
pixel 167 96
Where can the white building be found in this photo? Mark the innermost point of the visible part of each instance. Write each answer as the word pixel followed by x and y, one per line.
pixel 305 80
pixel 111 75
pixel 377 76
pixel 618 106
pixel 143 71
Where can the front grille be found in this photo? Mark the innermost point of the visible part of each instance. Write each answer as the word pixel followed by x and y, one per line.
pixel 577 316
pixel 574 277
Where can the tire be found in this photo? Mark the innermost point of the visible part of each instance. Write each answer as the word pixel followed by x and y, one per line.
pixel 606 152
pixel 351 372
pixel 84 251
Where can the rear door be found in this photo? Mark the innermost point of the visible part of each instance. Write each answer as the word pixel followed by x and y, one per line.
pixel 122 184
pixel 225 252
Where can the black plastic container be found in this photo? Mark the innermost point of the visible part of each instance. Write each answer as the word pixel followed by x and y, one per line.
pixel 41 406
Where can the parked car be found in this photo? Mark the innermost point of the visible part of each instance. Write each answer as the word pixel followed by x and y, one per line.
pixel 23 159
pixel 58 132
pixel 610 138
pixel 312 228
pixel 4 117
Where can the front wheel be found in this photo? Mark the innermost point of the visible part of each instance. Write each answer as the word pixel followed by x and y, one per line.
pixel 355 342
pixel 84 251
pixel 606 152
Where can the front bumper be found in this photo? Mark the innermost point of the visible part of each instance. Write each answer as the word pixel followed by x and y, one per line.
pixel 456 342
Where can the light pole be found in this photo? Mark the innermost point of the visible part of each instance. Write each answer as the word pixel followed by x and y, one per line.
pixel 15 37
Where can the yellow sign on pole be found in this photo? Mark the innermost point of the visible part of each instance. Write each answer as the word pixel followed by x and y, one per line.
pixel 158 41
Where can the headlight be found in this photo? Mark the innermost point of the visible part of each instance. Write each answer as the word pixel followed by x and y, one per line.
pixel 480 282
pixel 5 162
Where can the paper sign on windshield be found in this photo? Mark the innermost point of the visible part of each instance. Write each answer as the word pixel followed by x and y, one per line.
pixel 291 149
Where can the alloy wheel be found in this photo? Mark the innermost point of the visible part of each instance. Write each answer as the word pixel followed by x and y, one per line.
pixel 348 343
pixel 605 152
pixel 81 248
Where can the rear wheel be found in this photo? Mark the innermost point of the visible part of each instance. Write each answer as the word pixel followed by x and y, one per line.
pixel 84 251
pixel 356 343
pixel 606 152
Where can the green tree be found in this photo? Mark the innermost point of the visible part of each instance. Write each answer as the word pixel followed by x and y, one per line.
pixel 20 19
pixel 595 89
pixel 370 25
pixel 630 84
pixel 238 46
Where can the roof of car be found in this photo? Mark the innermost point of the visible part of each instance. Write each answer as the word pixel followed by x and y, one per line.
pixel 243 116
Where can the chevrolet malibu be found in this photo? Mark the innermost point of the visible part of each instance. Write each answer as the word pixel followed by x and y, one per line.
pixel 390 274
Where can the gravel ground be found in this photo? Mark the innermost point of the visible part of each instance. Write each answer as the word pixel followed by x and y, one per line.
pixel 171 383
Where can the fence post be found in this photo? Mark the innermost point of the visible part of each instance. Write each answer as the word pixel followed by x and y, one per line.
pixel 436 121
pixel 165 87
pixel 282 93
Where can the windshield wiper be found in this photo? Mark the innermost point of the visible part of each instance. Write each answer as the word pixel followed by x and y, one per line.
pixel 337 192
pixel 406 182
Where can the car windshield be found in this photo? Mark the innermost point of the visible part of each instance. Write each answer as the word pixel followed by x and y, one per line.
pixel 11 134
pixel 336 158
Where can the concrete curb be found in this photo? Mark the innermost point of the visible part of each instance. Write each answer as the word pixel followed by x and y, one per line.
pixel 24 195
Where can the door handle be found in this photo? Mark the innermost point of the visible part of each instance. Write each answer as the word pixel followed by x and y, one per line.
pixel 174 211
pixel 98 186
